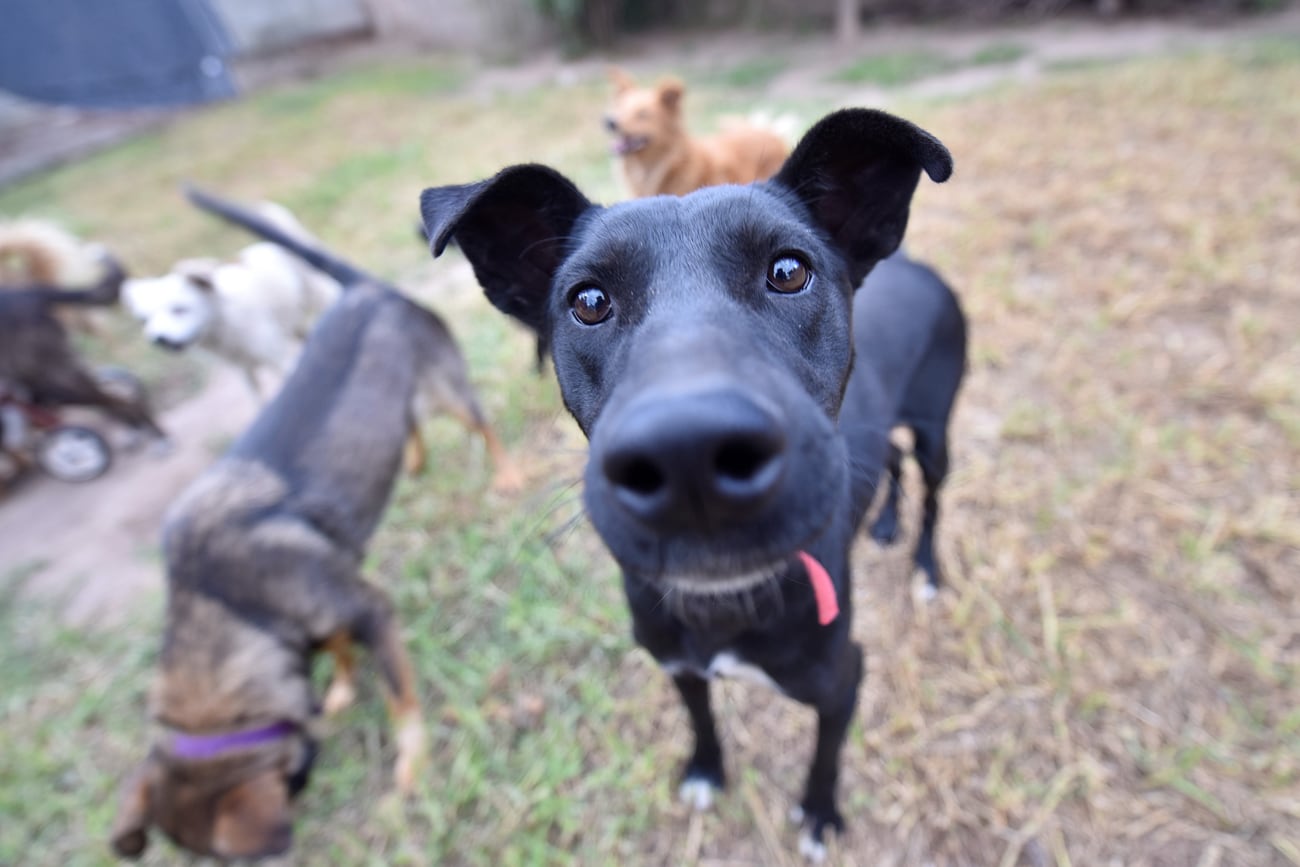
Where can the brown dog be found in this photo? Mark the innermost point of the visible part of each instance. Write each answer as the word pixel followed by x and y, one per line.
pixel 264 556
pixel 40 253
pixel 657 156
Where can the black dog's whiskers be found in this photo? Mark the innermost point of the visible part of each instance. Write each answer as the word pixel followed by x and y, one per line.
pixel 562 497
pixel 566 240
pixel 565 529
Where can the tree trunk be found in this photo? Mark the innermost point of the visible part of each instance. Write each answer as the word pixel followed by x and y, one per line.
pixel 602 21
pixel 848 20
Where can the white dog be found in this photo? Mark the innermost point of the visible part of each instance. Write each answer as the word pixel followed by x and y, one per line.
pixel 254 311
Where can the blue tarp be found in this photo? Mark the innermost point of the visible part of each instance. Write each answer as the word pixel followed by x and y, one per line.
pixel 114 53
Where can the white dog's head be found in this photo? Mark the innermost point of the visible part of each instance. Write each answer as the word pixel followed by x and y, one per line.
pixel 176 309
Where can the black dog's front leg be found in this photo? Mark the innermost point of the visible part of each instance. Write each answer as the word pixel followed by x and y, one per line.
pixel 885 530
pixel 703 774
pixel 817 811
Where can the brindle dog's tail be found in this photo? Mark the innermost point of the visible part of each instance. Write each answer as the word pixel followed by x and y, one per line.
pixel 319 258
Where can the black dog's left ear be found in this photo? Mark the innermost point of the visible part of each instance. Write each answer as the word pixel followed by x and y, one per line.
pixel 514 229
pixel 856 171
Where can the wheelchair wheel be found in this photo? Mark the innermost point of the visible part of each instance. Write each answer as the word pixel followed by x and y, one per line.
pixel 71 453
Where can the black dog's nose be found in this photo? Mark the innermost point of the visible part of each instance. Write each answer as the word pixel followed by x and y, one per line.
pixel 611 125
pixel 679 460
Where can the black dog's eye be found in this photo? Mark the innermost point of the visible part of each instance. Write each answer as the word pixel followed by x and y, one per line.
pixel 591 305
pixel 788 274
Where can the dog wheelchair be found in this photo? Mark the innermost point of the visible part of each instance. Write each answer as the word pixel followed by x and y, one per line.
pixel 33 434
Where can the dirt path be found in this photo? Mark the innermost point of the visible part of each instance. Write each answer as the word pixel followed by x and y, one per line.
pixel 92 548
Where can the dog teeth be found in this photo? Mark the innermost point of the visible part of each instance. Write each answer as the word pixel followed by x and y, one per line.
pixel 810 848
pixel 696 794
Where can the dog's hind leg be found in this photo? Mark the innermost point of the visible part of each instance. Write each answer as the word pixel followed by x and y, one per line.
pixel 415 457
pixel 250 375
pixel 818 812
pixel 342 689
pixel 377 629
pixel 451 392
pixel 885 530
pixel 703 774
pixel 71 385
pixel 932 456
pixel 507 477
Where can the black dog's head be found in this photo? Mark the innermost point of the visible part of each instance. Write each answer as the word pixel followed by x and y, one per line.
pixel 703 342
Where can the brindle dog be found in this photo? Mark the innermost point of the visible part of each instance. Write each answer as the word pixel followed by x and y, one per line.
pixel 264 556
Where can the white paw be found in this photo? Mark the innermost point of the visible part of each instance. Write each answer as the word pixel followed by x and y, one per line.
pixel 810 848
pixel 341 694
pixel 796 815
pixel 696 794
pixel 927 592
pixel 411 753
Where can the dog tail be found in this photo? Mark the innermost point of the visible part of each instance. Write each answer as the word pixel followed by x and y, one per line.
pixel 39 253
pixel 302 247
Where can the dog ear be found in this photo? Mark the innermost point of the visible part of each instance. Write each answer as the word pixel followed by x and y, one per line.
pixel 514 229
pixel 198 271
pixel 671 90
pixel 252 820
pixel 856 171
pixel 130 834
pixel 621 80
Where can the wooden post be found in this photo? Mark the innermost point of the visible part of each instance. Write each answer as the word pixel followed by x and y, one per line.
pixel 848 21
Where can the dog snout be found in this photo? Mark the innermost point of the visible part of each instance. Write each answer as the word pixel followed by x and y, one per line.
pixel 167 343
pixel 698 458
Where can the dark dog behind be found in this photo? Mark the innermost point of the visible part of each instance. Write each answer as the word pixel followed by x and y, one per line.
pixel 37 357
pixel 738 399
pixel 449 392
pixel 264 556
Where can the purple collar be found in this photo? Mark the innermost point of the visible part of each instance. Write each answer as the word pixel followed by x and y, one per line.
pixel 210 746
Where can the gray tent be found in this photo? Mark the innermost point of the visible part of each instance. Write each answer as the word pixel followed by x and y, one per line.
pixel 114 53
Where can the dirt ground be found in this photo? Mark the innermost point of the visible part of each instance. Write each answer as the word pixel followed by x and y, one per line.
pixel 92 547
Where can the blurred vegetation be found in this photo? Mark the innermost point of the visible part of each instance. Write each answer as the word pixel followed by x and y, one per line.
pixel 587 24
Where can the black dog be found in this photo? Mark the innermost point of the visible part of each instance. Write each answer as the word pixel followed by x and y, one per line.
pixel 706 345
pixel 38 358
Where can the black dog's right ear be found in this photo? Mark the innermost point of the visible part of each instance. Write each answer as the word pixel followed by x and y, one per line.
pixel 514 229
pixel 856 171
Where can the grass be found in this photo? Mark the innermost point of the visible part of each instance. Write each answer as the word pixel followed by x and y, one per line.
pixel 892 69
pixel 998 52
pixel 1110 676
pixel 752 74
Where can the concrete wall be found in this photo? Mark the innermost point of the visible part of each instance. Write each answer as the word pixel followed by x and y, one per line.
pixel 264 26
pixel 488 27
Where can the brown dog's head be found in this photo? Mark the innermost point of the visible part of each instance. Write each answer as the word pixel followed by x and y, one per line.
pixel 235 806
pixel 643 118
